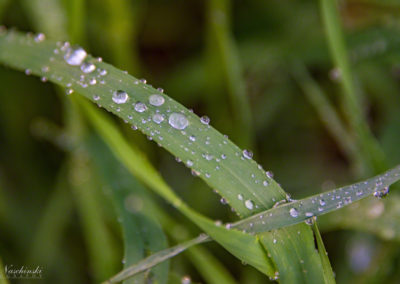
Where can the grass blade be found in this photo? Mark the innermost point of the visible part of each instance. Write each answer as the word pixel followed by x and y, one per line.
pixel 142 233
pixel 244 184
pixel 155 259
pixel 326 265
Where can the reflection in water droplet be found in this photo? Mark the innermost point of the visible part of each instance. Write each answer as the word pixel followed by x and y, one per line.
pixel 120 97
pixel 382 193
pixel 178 121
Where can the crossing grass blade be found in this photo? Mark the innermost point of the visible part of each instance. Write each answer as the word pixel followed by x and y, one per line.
pixel 244 184
pixel 306 209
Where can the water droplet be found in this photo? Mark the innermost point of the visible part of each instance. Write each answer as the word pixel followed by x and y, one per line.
pixel 265 183
pixel 274 241
pixel 205 119
pixel 223 201
pixel 158 118
pixel 223 156
pixel 240 196
pixel 76 56
pixel 381 193
pixel 178 121
pixel 88 67
pixel 96 97
pixel 156 100
pixel 293 212
pixel 249 204
pixel 28 72
pixel 120 97
pixel 102 72
pixel 247 154
pixel 186 280
pixel 189 163
pixel 269 174
pixel 322 202
pixel 39 37
pixel 192 138
pixel 69 91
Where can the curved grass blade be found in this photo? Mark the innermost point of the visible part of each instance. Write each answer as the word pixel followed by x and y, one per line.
pixel 141 232
pixel 244 184
pixel 326 265
pixel 156 259
pixel 265 221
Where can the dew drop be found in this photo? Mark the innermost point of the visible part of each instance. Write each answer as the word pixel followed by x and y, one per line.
pixel 120 97
pixel 158 118
pixel 178 121
pixel 28 72
pixel 205 119
pixel 381 193
pixel 240 196
pixel 88 67
pixel 223 201
pixel 293 212
pixel 156 100
pixel 249 204
pixel 39 37
pixel 192 138
pixel 189 163
pixel 247 154
pixel 322 202
pixel 186 280
pixel 76 56
pixel 102 72
pixel 96 97
pixel 68 91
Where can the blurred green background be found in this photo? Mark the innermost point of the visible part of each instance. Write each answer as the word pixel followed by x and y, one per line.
pixel 258 69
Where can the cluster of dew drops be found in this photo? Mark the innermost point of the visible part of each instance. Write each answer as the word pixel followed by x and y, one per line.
pixel 92 75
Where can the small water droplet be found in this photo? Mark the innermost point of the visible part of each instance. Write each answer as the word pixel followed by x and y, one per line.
pixel 186 280
pixel 265 183
pixel 120 97
pixel 96 97
pixel 28 72
pixel 247 154
pixel 76 56
pixel 240 196
pixel 223 201
pixel 69 91
pixel 205 119
pixel 192 138
pixel 381 193
pixel 322 202
pixel 156 100
pixel 88 67
pixel 178 121
pixel 293 212
pixel 39 37
pixel 158 118
pixel 102 72
pixel 249 204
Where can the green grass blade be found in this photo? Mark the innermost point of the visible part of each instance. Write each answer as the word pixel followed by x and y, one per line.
pixel 326 265
pixel 222 52
pixel 366 140
pixel 310 207
pixel 3 277
pixel 141 232
pixel 155 259
pixel 244 184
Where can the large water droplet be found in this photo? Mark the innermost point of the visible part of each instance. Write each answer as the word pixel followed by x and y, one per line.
pixel 247 154
pixel 120 97
pixel 293 212
pixel 158 118
pixel 249 204
pixel 140 107
pixel 88 67
pixel 75 56
pixel 156 100
pixel 178 121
